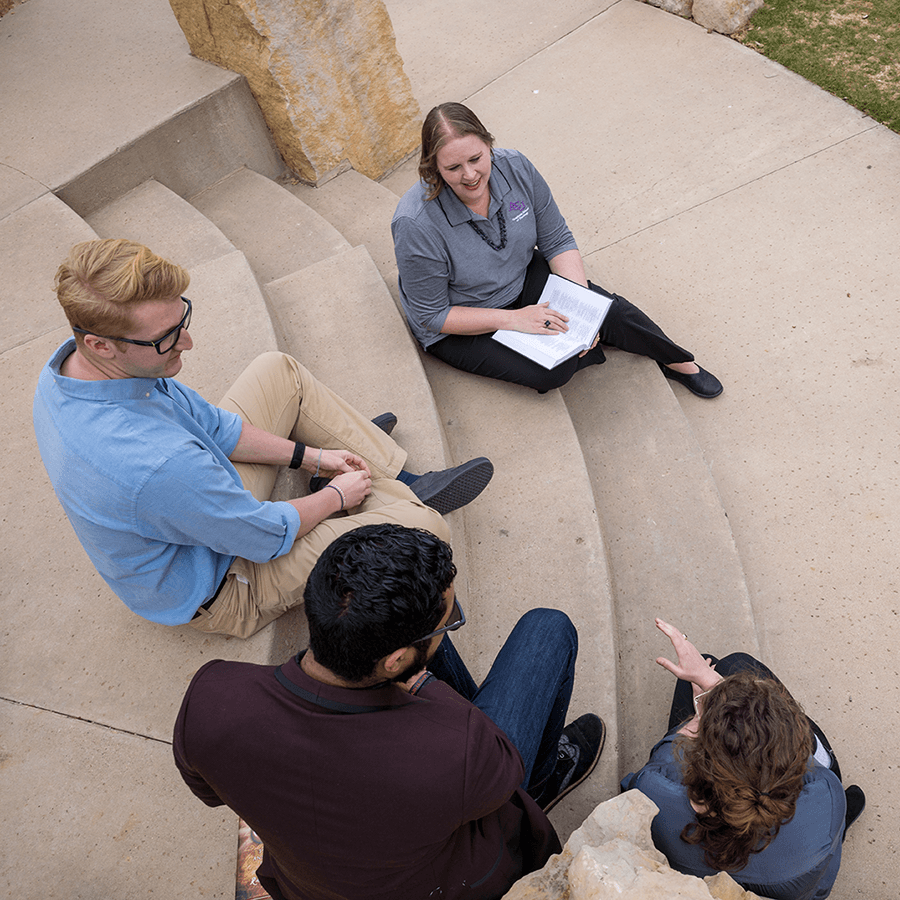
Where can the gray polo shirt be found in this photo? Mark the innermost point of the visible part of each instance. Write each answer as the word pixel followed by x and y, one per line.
pixel 444 262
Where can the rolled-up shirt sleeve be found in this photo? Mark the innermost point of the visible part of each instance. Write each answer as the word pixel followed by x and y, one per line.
pixel 424 270
pixel 193 500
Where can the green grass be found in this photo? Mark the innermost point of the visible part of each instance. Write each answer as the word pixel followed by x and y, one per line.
pixel 848 47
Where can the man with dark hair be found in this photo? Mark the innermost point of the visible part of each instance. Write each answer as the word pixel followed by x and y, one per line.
pixel 169 494
pixel 368 776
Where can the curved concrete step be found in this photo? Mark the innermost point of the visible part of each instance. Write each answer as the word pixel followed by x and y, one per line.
pixel 533 539
pixel 278 233
pixel 160 219
pixel 231 324
pixel 338 319
pixel 35 239
pixel 361 210
pixel 670 547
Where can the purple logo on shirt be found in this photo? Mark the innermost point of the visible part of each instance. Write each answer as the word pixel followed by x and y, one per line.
pixel 516 205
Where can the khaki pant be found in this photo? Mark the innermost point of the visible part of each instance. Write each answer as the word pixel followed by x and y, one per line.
pixel 279 395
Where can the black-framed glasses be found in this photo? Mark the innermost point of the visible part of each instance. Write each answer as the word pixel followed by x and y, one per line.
pixel 456 620
pixel 163 344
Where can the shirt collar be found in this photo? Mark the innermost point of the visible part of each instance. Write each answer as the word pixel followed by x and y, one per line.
pixel 104 389
pixel 457 212
pixel 378 698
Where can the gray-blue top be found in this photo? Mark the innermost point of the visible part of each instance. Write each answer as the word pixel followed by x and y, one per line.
pixel 801 863
pixel 443 262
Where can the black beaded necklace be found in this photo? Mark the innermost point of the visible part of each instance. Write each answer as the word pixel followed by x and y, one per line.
pixel 486 239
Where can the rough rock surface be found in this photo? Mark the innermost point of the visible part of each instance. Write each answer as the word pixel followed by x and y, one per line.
pixel 724 16
pixel 679 7
pixel 326 74
pixel 612 857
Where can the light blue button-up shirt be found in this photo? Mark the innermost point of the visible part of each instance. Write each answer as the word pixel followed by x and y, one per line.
pixel 141 468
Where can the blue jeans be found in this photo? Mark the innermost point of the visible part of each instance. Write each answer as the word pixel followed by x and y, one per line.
pixel 528 688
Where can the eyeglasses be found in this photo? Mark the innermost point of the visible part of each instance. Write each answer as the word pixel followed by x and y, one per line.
pixel 697 702
pixel 456 620
pixel 163 344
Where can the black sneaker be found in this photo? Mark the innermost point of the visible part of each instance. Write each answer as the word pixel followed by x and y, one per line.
pixel 580 747
pixel 450 489
pixel 856 803
pixel 386 422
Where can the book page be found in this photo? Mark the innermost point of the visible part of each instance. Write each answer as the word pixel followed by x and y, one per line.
pixel 585 310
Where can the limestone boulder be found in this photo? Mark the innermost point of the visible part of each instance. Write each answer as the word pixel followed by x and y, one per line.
pixel 724 16
pixel 326 75
pixel 612 857
pixel 679 7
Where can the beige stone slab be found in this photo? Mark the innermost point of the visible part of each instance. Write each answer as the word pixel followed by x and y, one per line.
pixel 87 80
pixel 640 115
pixel 403 177
pixel 533 539
pixel 278 233
pixel 230 326
pixel 788 289
pixel 153 215
pixel 361 210
pixel 34 240
pixel 670 547
pixel 449 53
pixel 188 152
pixel 338 319
pixel 95 812
pixel 17 190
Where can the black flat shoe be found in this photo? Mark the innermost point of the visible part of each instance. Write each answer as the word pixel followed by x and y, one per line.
pixel 702 383
pixel 856 803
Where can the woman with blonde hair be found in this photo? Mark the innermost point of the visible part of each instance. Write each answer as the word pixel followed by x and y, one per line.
pixel 745 782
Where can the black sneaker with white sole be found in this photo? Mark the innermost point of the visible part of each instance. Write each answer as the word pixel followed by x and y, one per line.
pixel 580 746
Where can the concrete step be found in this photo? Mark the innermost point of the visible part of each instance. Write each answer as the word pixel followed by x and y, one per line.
pixel 35 238
pixel 76 661
pixel 231 324
pixel 508 540
pixel 339 320
pixel 361 210
pixel 157 217
pixel 670 546
pixel 534 539
pixel 278 233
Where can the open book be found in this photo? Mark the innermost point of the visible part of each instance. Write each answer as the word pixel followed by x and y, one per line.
pixel 586 310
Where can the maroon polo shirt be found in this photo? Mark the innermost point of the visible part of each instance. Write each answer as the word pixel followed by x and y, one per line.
pixel 369 794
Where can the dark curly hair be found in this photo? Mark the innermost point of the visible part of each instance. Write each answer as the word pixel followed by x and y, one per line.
pixel 374 590
pixel 443 123
pixel 745 767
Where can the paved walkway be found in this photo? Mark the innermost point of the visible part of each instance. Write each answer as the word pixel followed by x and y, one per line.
pixel 742 207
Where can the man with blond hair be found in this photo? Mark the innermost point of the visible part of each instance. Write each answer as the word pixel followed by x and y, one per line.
pixel 168 493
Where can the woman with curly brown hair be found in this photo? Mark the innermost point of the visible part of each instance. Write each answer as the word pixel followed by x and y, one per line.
pixel 745 782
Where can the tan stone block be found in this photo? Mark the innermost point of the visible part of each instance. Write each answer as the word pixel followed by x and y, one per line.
pixel 724 16
pixel 326 74
pixel 612 857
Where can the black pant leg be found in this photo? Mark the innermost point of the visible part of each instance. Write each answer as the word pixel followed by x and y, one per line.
pixel 628 328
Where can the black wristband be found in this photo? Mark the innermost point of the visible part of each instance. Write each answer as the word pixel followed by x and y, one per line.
pixel 297 458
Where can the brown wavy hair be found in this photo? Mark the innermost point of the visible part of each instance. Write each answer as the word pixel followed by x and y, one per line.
pixel 443 123
pixel 102 281
pixel 745 767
